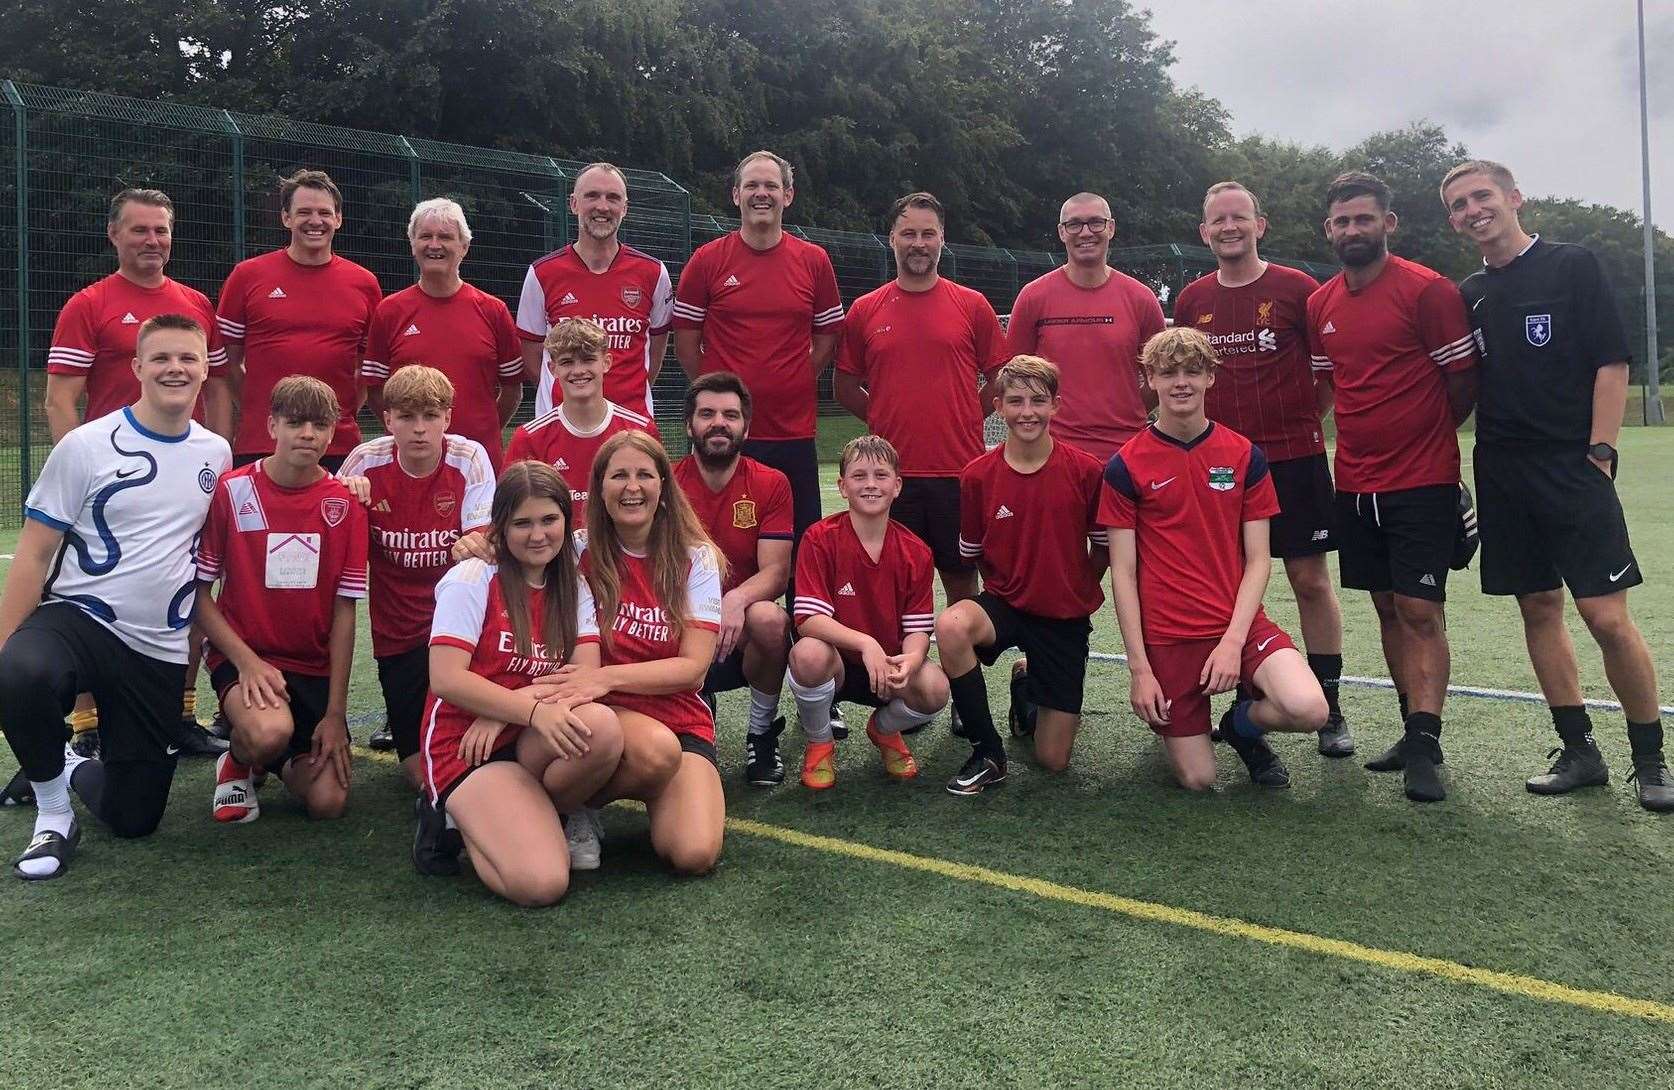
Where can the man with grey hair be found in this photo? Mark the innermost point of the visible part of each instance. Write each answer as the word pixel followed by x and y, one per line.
pixel 450 325
pixel 627 292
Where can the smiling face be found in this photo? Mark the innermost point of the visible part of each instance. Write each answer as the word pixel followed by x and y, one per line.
pixel 1230 226
pixel 631 489
pixel 312 219
pixel 1180 386
pixel 579 376
pixel 599 202
pixel 438 247
pixel 1482 211
pixel 171 365
pixel 916 239
pixel 870 486
pixel 535 533
pixel 1359 230
pixel 761 194
pixel 143 237
pixel 1027 409
pixel 717 428
pixel 1085 228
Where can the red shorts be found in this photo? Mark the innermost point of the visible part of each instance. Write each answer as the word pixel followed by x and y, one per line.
pixel 1179 665
pixel 439 734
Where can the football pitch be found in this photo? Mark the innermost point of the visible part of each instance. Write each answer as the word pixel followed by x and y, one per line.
pixel 1098 928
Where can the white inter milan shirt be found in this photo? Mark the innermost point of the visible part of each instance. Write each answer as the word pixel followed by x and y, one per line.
pixel 131 504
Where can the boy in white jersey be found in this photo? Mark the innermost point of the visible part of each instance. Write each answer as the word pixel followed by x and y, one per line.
pixel 100 599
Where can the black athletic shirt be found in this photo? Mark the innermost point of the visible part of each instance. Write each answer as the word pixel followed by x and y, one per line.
pixel 1544 324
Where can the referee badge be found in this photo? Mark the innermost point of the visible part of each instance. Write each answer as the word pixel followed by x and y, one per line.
pixel 1221 478
pixel 744 514
pixel 1538 329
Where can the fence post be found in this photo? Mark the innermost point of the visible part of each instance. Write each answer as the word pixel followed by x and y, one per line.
pixel 20 114
pixel 413 169
pixel 562 220
pixel 235 137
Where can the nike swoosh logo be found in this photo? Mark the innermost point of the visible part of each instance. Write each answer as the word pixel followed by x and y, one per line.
pixel 124 474
pixel 1479 302
pixel 171 751
pixel 1262 646
pixel 1619 574
pixel 1155 485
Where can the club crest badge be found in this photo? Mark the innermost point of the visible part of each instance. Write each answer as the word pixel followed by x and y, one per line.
pixel 446 503
pixel 1264 312
pixel 1222 478
pixel 631 297
pixel 1538 329
pixel 744 514
pixel 334 509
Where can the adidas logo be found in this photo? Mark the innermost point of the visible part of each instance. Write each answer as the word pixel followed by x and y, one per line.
pixel 569 299
pixel 249 508
pixel 560 464
pixel 731 282
pixel 129 319
pixel 382 507
pixel 411 330
pixel 846 590
pixel 1329 328
pixel 1003 513
pixel 276 293
pixel 1427 579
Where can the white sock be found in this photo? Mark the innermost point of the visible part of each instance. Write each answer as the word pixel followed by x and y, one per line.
pixel 762 709
pixel 813 707
pixel 52 813
pixel 895 717
pixel 447 820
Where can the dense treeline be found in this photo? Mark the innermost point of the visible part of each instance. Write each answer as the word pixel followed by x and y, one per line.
pixel 1001 107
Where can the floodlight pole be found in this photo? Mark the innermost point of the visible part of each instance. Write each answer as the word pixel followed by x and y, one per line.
pixel 1653 392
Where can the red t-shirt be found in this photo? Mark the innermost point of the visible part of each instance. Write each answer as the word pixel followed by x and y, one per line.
pixel 297 319
pixel 759 311
pixel 553 440
pixel 1389 347
pixel 924 350
pixel 1264 386
pixel 1094 335
pixel 633 300
pixel 98 332
pixel 1029 532
pixel 284 556
pixel 642 631
pixel 1187 504
pixel 754 504
pixel 414 523
pixel 469 337
pixel 887 598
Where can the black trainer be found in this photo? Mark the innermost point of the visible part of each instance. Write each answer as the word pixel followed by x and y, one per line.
pixel 85 743
pixel 18 792
pixel 1263 765
pixel 1335 739
pixel 978 773
pixel 436 847
pixel 1576 766
pixel 191 740
pixel 1656 789
pixel 1021 715
pixel 382 740
pixel 1420 773
pixel 762 764
pixel 839 729
pixel 1394 759
pixel 220 727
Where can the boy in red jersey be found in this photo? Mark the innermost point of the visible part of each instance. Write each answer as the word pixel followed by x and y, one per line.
pixel 422 489
pixel 865 605
pixel 1188 504
pixel 1028 510
pixel 288 543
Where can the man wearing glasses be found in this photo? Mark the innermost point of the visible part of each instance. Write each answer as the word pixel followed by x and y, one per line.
pixel 1091 321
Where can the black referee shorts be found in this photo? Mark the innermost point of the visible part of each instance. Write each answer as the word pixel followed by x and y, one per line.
pixel 1549 518
pixel 1398 541
pixel 1056 649
pixel 1306 524
pixel 929 507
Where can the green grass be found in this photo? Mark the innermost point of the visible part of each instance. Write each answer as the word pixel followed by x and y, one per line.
pixel 290 954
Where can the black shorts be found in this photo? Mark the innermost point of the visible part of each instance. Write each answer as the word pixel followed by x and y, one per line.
pixel 331 463
pixel 405 679
pixel 1549 518
pixel 1056 649
pixel 856 687
pixel 798 460
pixel 1306 524
pixel 1398 541
pixel 691 743
pixel 929 507
pixel 309 696
pixel 726 674
pixel 507 752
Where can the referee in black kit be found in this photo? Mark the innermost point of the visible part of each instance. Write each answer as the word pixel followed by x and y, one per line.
pixel 1553 387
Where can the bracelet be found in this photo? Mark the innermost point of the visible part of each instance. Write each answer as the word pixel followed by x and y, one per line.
pixel 532 709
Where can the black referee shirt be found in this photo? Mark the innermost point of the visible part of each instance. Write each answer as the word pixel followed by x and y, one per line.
pixel 1544 324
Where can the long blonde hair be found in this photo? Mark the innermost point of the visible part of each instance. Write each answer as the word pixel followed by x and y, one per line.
pixel 519 482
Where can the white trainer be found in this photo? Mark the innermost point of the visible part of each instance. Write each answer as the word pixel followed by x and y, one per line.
pixel 581 832
pixel 235 796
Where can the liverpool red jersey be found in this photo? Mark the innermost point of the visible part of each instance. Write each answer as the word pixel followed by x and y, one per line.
pixel 469 337
pixel 759 311
pixel 1029 532
pixel 1264 386
pixel 753 505
pixel 295 319
pixel 1389 347
pixel 414 523
pixel 633 300
pixel 284 556
pixel 922 357
pixel 888 598
pixel 98 332
pixel 1187 503
pixel 553 440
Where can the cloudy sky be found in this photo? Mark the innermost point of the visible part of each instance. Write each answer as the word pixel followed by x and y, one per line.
pixel 1549 87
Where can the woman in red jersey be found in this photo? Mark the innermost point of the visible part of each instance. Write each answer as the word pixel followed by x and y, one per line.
pixel 503 760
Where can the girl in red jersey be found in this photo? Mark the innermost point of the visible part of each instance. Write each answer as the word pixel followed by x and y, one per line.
pixel 503 760
pixel 657 581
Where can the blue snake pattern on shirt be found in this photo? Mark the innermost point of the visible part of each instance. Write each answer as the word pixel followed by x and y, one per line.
pixel 112 547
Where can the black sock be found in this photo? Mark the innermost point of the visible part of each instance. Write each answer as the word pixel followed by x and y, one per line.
pixel 970 700
pixel 1402 697
pixel 1329 670
pixel 1425 725
pixel 1573 724
pixel 88 782
pixel 1646 739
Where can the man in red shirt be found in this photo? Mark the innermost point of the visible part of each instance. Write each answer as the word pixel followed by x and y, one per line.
pixel 627 292
pixel 913 357
pixel 1028 514
pixel 1255 314
pixel 1188 503
pixel 302 310
pixel 445 323
pixel 746 509
pixel 288 543
pixel 1091 321
pixel 763 304
pixel 1394 340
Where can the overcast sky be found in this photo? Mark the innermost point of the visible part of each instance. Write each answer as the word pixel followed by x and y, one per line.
pixel 1549 87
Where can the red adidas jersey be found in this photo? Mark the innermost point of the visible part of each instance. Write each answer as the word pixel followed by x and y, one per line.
pixel 414 523
pixel 1389 347
pixel 926 348
pixel 284 556
pixel 1028 532
pixel 633 300
pixel 642 631
pixel 887 598
pixel 469 337
pixel 759 311
pixel 553 440
pixel 1264 386
pixel 295 319
pixel 1187 504
pixel 98 332
pixel 471 615
pixel 754 504
pixel 1094 335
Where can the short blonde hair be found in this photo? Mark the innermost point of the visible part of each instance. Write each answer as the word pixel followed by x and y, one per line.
pixel 1180 345
pixel 303 397
pixel 1231 187
pixel 416 388
pixel 875 447
pixel 1028 371
pixel 577 337
pixel 442 208
pixel 1497 173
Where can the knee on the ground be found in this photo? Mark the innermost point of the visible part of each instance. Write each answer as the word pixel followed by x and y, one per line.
pixel 692 859
pixel 1195 779
pixel 1052 760
pixel 536 886
pixel 327 803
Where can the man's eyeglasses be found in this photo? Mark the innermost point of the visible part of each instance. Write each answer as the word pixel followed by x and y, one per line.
pixel 1098 225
